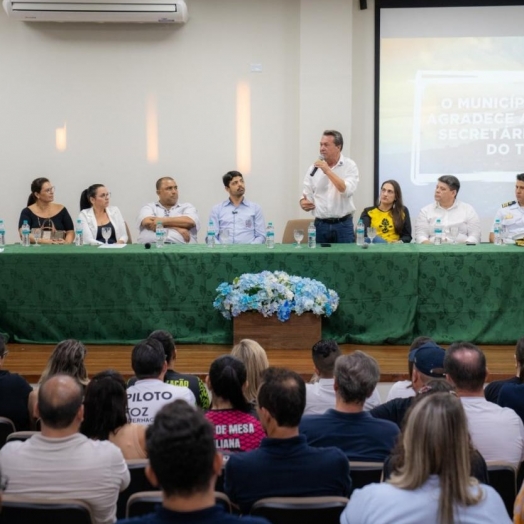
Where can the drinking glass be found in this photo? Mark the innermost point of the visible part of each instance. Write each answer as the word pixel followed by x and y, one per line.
pixel 372 233
pixel 106 233
pixel 298 234
pixel 224 237
pixel 453 234
pixel 37 235
pixel 503 234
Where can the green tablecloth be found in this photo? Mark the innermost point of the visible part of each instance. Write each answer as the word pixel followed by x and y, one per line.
pixel 388 293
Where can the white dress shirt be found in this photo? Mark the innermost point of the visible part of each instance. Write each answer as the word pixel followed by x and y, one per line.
pixel 459 214
pixel 156 209
pixel 90 227
pixel 329 201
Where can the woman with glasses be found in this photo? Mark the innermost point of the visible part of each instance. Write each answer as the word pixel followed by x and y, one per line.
pixel 43 213
pixel 98 217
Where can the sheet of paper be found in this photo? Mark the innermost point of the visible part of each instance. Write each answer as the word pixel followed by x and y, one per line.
pixel 112 246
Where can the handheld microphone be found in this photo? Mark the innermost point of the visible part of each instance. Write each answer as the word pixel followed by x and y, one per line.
pixel 314 170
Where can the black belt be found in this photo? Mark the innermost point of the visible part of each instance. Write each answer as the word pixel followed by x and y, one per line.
pixel 333 220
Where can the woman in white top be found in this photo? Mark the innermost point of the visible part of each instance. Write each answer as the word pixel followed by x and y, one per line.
pixel 434 484
pixel 96 213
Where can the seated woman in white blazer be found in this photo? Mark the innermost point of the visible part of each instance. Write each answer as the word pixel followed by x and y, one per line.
pixel 96 213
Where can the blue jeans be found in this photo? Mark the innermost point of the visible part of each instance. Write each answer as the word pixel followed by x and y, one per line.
pixel 340 233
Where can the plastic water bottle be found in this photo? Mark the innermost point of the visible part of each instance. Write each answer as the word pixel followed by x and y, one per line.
pixel 270 236
pixel 360 233
pixel 312 235
pixel 160 234
pixel 211 234
pixel 497 233
pixel 438 232
pixel 79 233
pixel 26 230
pixel 2 233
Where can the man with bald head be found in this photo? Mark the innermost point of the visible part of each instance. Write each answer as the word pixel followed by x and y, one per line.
pixel 180 220
pixel 61 463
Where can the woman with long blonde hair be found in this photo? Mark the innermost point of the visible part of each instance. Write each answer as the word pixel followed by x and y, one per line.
pixel 252 354
pixel 434 483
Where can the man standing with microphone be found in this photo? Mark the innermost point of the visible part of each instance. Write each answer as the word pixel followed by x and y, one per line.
pixel 328 191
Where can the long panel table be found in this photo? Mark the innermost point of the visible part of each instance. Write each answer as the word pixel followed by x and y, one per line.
pixel 388 293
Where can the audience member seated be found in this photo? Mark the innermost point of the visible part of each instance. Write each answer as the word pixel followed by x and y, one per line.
pixel 60 462
pixel 395 461
pixel 252 354
pixel 236 429
pixel 320 393
pixel 175 378
pixel 498 433
pixel 150 392
pixel 42 213
pixel 96 214
pixel 452 213
pixel 428 364
pixel 404 388
pixel 434 484
pixel 105 415
pixel 284 465
pixel 512 396
pixel 14 394
pixel 389 217
pixel 492 390
pixel 184 463
pixel 348 427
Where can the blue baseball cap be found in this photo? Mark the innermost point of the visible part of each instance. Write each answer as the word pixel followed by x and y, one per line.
pixel 429 359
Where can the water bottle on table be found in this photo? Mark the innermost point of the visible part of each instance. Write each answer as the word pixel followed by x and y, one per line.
pixel 312 235
pixel 2 233
pixel 79 233
pixel 497 232
pixel 210 234
pixel 270 236
pixel 360 233
pixel 438 232
pixel 26 230
pixel 160 234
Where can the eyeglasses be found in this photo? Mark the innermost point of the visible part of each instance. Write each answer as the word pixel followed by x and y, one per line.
pixel 49 190
pixel 4 481
pixel 105 195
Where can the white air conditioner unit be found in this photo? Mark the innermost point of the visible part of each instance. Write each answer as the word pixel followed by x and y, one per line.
pixel 139 11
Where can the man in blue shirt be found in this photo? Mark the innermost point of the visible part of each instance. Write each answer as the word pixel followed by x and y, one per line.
pixel 237 220
pixel 184 462
pixel 284 465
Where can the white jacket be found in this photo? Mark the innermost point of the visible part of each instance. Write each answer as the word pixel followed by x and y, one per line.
pixel 87 216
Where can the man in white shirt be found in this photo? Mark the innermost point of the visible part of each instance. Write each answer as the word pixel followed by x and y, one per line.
pixel 511 215
pixel 59 462
pixel 328 191
pixel 150 393
pixel 452 214
pixel 320 395
pixel 180 220
pixel 498 433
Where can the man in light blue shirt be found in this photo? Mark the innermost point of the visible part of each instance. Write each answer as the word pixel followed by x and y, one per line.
pixel 237 220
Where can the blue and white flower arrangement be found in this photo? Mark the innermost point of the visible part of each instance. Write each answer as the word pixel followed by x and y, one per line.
pixel 275 292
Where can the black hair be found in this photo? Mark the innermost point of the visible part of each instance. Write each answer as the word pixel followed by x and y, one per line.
pixel 283 394
pixel 147 359
pixel 324 354
pixel 520 177
pixel 519 356
pixel 87 194
pixel 2 346
pixel 160 180
pixel 181 449
pixel 36 187
pixel 58 410
pixel 105 405
pixel 452 181
pixel 227 376
pixel 167 341
pixel 467 375
pixel 226 179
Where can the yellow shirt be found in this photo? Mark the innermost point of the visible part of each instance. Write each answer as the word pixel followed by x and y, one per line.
pixel 382 221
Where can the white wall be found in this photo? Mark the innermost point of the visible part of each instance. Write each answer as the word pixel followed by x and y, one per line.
pixel 97 79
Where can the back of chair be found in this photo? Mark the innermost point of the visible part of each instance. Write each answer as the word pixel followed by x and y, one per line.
pixel 138 483
pixel 364 473
pixel 23 510
pixel 503 478
pixel 305 510
pixel 142 503
pixel 6 428
pixel 21 435
pixel 299 223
